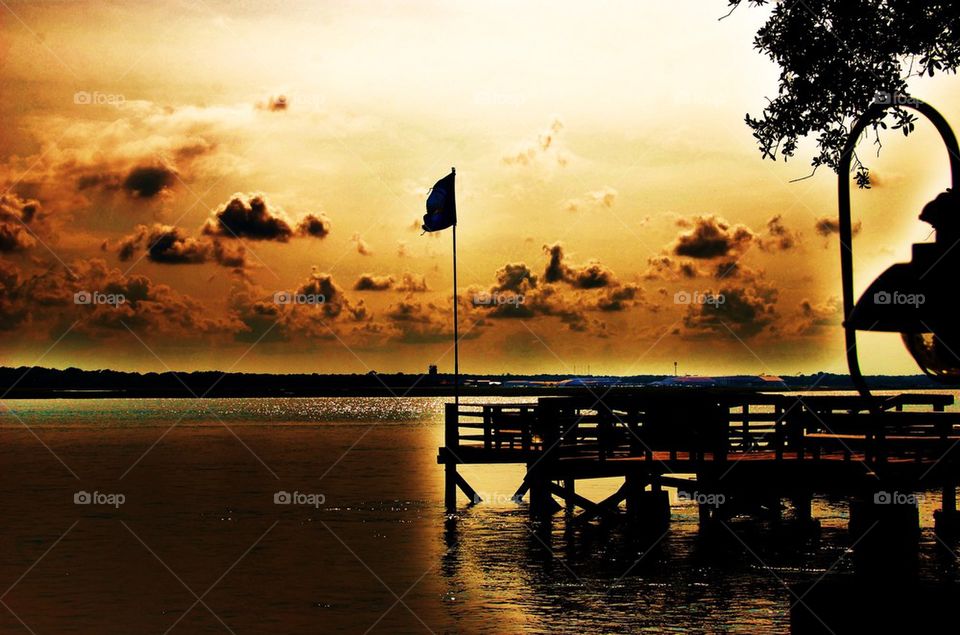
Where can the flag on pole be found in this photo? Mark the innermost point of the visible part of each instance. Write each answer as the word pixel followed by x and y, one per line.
pixel 441 205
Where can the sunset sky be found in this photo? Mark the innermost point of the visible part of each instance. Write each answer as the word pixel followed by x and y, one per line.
pixel 200 157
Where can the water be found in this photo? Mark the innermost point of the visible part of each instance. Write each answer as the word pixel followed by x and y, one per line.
pixel 370 547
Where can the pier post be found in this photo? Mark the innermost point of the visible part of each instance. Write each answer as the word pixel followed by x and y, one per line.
pixel 802 508
pixel 647 511
pixel 451 442
pixel 885 528
pixel 541 500
pixel 946 519
pixel 569 489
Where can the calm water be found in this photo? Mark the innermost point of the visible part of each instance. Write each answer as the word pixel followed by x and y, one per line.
pixel 198 545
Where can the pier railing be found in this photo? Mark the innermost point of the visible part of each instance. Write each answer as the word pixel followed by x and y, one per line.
pixel 698 427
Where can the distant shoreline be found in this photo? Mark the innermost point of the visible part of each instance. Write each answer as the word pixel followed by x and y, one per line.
pixel 73 383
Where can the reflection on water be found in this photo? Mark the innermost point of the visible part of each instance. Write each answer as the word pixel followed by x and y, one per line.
pixel 200 478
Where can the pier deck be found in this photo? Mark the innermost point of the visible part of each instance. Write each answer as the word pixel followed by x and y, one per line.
pixel 744 445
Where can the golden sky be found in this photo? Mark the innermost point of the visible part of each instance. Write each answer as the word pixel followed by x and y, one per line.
pixel 200 157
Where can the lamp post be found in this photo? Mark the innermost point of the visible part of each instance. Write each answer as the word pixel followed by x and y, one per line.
pixel 916 298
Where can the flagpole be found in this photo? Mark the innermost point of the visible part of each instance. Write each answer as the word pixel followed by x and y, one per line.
pixel 456 323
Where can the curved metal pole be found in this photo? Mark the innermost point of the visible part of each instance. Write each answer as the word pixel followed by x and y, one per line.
pixel 873 113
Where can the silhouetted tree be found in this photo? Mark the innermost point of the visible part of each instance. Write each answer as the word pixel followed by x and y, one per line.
pixel 839 56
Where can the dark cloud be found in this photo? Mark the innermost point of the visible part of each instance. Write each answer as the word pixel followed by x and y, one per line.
pixel 556 271
pixel 249 216
pixel 412 322
pixel 47 300
pixel 148 181
pixel 14 306
pixel 316 225
pixel 619 298
pixel 664 267
pixel 335 302
pixel 169 245
pixel 139 181
pixel 745 310
pixel 515 278
pixel 711 237
pixel 727 269
pixel 264 315
pixel 590 276
pixel 826 226
pixel 15 216
pixel 566 292
pixel 371 282
pixel 230 255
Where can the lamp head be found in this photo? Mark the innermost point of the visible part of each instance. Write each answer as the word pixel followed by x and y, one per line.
pixel 917 298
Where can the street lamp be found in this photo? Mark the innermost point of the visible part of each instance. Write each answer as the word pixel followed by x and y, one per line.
pixel 916 298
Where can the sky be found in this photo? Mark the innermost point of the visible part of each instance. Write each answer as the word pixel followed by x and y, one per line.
pixel 239 186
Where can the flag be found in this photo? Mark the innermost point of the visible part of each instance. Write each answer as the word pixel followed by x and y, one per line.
pixel 441 205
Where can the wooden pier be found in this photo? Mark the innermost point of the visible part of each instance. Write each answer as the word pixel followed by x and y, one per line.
pixel 728 451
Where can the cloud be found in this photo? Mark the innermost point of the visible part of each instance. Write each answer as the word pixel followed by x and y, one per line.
pixel 402 249
pixel 274 104
pixel 335 302
pixel 412 322
pixel 249 216
pixel 545 145
pixel 46 300
pixel 604 198
pixel 745 310
pixel 370 282
pixel 711 237
pixel 83 163
pixel 812 318
pixel 15 216
pixel 316 225
pixel 620 298
pixel 778 237
pixel 363 248
pixel 514 278
pixel 592 275
pixel 412 283
pixel 169 245
pixel 149 181
pixel 266 318
pixel 563 292
pixel 664 267
pixel 826 226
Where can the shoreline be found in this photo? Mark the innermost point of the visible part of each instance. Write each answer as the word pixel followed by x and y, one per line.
pixel 427 391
